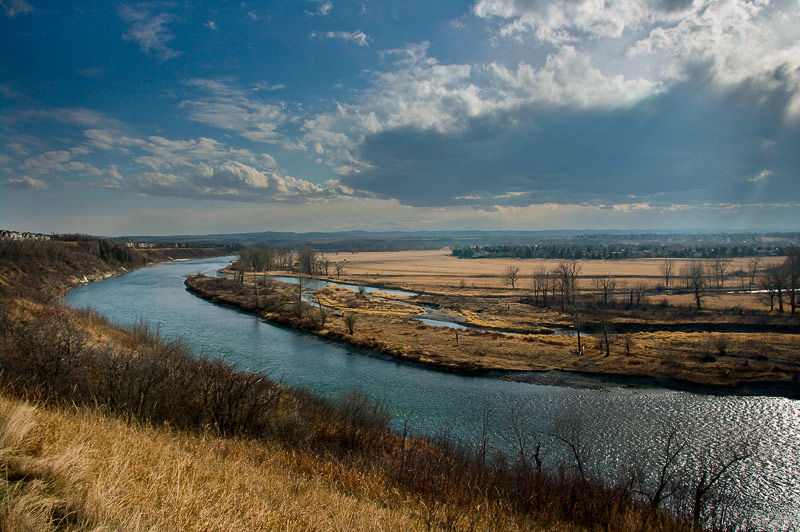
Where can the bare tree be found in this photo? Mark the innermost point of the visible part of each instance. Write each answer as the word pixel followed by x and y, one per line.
pixel 774 281
pixel 667 482
pixel 350 321
pixel 567 271
pixel 752 270
pixel 602 319
pixel 639 293
pixel 307 260
pixel 339 268
pixel 540 285
pixel 511 275
pixel 792 267
pixel 520 436
pixel 605 284
pixel 667 268
pixel 714 471
pixel 570 433
pixel 719 266
pixel 696 277
pixel 324 263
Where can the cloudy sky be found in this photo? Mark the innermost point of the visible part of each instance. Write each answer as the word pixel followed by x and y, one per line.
pixel 220 116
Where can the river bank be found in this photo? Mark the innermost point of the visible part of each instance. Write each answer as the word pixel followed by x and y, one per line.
pixel 663 359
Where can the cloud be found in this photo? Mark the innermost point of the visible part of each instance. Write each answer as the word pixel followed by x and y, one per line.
pixel 234 181
pixel 531 155
pixel 211 25
pixel 230 108
pixel 25 183
pixel 150 32
pixel 761 176
pixel 77 116
pixel 358 36
pixel 13 8
pixel 731 42
pixel 418 92
pixel 324 7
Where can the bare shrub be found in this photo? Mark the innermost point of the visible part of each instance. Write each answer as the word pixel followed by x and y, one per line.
pixel 350 321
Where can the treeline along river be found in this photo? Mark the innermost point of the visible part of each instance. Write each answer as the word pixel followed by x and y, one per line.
pixel 619 427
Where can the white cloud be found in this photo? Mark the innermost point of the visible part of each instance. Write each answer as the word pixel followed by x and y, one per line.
pixel 421 93
pixel 47 162
pixel 13 8
pixel 230 108
pixel 233 180
pixel 150 32
pixel 211 25
pixel 323 8
pixel 358 36
pixel 25 183
pixel 761 176
pixel 737 42
pixel 77 116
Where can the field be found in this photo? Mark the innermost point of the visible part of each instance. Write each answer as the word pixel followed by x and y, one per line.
pixel 436 271
pixel 733 344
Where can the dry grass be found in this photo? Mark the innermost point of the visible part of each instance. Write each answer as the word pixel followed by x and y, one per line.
pixel 437 270
pixel 82 470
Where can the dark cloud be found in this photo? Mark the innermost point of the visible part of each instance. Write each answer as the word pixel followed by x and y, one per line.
pixel 671 6
pixel 685 144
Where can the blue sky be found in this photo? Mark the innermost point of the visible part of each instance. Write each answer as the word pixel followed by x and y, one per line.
pixel 325 115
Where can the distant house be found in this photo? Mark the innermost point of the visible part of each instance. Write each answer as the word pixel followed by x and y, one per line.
pixel 16 235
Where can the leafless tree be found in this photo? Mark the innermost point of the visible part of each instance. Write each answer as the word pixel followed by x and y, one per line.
pixel 239 268
pixel 567 272
pixel 639 293
pixel 667 268
pixel 714 471
pixel 696 277
pixel 792 267
pixel 774 281
pixel 520 436
pixel 324 263
pixel 605 284
pixel 307 260
pixel 569 431
pixel 752 270
pixel 511 274
pixel 719 266
pixel 602 319
pixel 350 321
pixel 540 285
pixel 339 268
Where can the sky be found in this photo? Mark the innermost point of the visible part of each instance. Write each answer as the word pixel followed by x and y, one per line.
pixel 200 117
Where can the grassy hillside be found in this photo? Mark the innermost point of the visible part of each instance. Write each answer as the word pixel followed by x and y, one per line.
pixel 103 428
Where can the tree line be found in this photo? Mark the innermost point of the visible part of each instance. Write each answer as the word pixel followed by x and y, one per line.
pixel 616 251
pixel 777 286
pixel 305 261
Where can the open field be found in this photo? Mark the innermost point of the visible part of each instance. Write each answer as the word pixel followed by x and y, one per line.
pixel 731 345
pixel 439 267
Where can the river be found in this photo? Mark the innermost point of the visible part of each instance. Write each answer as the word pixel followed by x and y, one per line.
pixel 619 425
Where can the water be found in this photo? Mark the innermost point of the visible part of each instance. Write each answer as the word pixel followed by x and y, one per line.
pixel 619 425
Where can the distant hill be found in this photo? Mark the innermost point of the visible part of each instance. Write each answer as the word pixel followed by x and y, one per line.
pixel 409 240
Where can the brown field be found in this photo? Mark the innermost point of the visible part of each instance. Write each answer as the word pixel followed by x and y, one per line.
pixel 438 272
